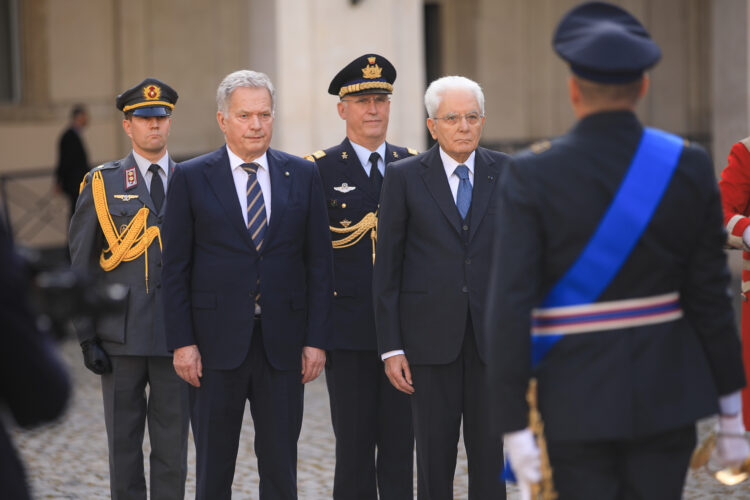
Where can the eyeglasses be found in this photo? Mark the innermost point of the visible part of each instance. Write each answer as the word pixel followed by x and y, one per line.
pixel 454 118
pixel 379 100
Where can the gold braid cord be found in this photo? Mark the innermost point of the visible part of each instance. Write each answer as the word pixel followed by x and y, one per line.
pixel 544 489
pixel 356 232
pixel 129 244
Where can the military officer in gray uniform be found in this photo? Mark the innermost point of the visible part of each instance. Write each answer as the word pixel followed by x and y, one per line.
pixel 115 232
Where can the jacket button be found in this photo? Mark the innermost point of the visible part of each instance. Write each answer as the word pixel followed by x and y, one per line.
pixel 343 205
pixel 335 293
pixel 465 289
pixel 467 261
pixel 465 228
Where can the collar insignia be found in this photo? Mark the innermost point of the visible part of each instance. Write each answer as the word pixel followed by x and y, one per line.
pixel 344 188
pixel 395 154
pixel 126 197
pixel 345 223
pixel 372 70
pixel 131 180
pixel 344 156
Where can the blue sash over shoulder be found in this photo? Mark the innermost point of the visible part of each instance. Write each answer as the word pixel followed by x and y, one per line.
pixel 618 232
pixel 571 307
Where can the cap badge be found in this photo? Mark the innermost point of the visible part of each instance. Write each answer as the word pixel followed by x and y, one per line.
pixel 372 70
pixel 151 92
pixel 344 188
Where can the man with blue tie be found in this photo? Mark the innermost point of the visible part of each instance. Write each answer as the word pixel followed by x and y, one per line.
pixel 433 250
pixel 248 283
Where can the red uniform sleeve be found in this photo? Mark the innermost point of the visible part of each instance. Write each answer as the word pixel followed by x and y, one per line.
pixel 735 193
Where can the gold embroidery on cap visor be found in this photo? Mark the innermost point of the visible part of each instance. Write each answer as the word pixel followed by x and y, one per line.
pixel 358 87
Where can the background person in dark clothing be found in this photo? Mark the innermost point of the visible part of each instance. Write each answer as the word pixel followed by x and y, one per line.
pixel 72 160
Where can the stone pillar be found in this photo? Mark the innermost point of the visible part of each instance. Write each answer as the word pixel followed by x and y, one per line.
pixel 729 71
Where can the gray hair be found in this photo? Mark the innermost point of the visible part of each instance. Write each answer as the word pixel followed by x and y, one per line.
pixel 434 93
pixel 243 78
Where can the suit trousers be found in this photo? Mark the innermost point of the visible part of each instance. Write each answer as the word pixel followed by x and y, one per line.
pixel 443 394
pixel 647 468
pixel 217 407
pixel 373 428
pixel 126 410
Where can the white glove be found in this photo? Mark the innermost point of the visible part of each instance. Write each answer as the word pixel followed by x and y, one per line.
pixel 732 447
pixel 524 459
pixel 746 236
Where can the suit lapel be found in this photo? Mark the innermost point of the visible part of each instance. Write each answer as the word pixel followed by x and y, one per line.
pixel 281 183
pixel 219 177
pixel 485 176
pixel 437 184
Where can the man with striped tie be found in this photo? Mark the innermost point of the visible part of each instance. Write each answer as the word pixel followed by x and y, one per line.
pixel 248 284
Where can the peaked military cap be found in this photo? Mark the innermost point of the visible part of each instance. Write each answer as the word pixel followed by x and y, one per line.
pixel 368 74
pixel 149 98
pixel 605 43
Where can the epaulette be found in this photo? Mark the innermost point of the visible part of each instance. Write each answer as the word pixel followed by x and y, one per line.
pixel 540 147
pixel 412 151
pixel 87 175
pixel 316 155
pixel 746 142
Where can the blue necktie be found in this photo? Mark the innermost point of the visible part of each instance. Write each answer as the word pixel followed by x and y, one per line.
pixel 256 208
pixel 463 197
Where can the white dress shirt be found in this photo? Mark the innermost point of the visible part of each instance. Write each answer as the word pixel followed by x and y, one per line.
pixel 364 157
pixel 240 182
pixel 143 165
pixel 449 164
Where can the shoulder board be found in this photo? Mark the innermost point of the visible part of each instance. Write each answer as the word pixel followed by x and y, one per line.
pixel 309 157
pixel 746 142
pixel 105 166
pixel 315 156
pixel 412 151
pixel 540 147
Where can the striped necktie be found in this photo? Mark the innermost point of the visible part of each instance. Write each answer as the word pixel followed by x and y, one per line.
pixel 256 208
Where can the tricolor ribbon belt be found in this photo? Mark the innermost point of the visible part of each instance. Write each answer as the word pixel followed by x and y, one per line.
pixel 602 316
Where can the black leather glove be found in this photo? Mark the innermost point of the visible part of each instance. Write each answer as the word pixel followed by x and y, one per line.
pixel 95 357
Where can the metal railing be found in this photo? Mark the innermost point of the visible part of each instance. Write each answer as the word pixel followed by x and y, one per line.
pixel 31 205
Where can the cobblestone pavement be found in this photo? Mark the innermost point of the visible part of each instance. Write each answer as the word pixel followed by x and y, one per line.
pixel 68 459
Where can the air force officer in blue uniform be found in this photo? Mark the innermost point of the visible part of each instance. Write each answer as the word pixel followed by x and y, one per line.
pixel 371 419
pixel 608 255
pixel 248 289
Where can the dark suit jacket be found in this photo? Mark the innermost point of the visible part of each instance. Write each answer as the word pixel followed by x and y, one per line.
pixel 137 330
pixel 72 162
pixel 34 385
pixel 353 318
pixel 211 266
pixel 429 271
pixel 620 383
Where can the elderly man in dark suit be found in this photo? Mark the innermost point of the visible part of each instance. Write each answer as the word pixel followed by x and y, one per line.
pixel 248 278
pixel 433 250
pixel 115 232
